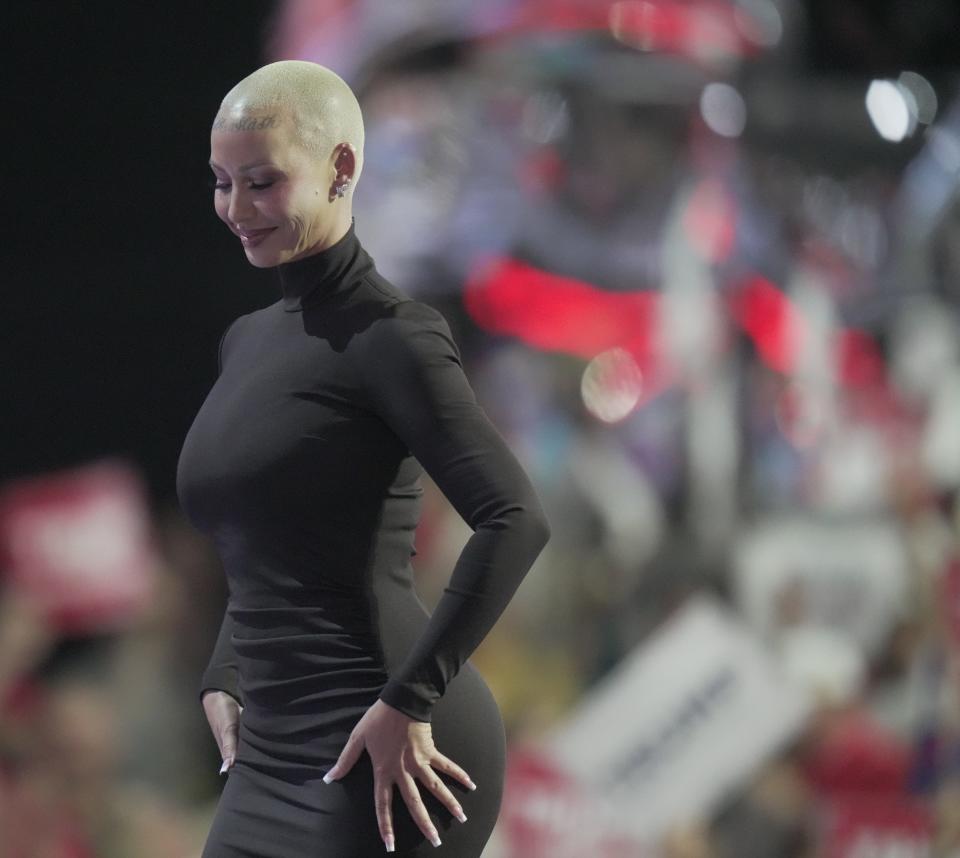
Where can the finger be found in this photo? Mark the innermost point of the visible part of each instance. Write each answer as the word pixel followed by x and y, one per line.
pixel 228 745
pixel 429 778
pixel 382 800
pixel 448 766
pixel 418 810
pixel 348 756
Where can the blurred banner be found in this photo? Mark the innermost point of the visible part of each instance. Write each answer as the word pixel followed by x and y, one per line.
pixel 845 574
pixel 78 544
pixel 877 827
pixel 658 743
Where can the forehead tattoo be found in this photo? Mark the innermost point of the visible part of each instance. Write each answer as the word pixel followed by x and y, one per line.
pixel 249 123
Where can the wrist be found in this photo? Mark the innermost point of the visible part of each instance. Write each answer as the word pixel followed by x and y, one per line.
pixel 403 700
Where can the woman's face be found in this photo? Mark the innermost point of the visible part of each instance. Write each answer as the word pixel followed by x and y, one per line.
pixel 268 190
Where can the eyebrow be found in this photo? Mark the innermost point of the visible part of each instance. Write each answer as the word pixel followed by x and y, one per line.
pixel 245 167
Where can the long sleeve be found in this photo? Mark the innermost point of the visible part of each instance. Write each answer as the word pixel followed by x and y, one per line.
pixel 411 370
pixel 221 672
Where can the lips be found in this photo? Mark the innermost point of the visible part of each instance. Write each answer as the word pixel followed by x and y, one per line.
pixel 253 237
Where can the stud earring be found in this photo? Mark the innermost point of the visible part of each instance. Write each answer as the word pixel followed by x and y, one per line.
pixel 341 188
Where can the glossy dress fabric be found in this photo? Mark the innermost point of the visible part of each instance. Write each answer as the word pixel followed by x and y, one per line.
pixel 302 465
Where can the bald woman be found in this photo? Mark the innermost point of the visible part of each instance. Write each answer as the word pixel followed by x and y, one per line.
pixel 349 719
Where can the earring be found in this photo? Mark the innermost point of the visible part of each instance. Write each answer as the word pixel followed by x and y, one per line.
pixel 341 187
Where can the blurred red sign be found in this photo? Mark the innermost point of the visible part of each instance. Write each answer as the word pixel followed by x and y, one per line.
pixel 877 828
pixel 78 542
pixel 545 812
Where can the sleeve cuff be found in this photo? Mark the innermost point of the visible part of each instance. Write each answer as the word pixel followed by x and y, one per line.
pixel 407 701
pixel 220 682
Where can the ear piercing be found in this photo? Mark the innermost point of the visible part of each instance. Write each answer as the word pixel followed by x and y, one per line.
pixel 341 187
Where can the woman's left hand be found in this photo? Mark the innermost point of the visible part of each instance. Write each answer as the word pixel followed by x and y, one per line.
pixel 401 750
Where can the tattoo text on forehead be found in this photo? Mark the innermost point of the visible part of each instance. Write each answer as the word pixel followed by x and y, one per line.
pixel 251 123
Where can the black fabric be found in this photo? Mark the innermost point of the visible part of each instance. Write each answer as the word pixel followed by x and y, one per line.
pixel 303 466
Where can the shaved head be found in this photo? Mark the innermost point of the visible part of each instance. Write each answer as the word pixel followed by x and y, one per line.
pixel 286 150
pixel 319 105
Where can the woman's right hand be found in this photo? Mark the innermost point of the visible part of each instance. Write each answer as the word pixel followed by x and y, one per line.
pixel 223 715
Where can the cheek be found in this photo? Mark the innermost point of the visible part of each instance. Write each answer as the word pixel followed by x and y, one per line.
pixel 297 209
pixel 305 207
pixel 277 207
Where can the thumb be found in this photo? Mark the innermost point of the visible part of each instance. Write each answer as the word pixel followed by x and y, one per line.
pixel 348 756
pixel 228 746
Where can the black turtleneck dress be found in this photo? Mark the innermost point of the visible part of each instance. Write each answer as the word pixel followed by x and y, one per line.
pixel 302 465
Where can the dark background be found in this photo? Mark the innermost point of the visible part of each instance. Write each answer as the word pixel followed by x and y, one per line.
pixel 120 277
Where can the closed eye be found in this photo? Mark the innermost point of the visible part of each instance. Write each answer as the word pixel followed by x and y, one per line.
pixel 221 186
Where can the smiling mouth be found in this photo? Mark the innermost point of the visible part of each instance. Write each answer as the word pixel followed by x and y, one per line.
pixel 255 236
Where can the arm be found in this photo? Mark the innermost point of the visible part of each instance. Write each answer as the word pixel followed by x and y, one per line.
pixel 412 373
pixel 221 672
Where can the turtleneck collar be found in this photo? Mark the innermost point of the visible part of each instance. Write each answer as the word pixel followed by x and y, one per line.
pixel 312 277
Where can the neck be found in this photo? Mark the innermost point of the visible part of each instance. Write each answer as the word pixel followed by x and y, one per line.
pixel 320 274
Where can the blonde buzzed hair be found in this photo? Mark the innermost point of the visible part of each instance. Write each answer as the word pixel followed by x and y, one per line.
pixel 320 103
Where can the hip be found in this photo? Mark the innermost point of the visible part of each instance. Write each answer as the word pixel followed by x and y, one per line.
pixel 466 725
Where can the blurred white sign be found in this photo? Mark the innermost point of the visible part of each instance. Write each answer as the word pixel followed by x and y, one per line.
pixel 845 575
pixel 666 736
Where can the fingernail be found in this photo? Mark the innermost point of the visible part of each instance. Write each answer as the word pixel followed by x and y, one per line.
pixel 225 766
pixel 389 843
pixel 461 815
pixel 328 777
pixel 471 784
pixel 436 840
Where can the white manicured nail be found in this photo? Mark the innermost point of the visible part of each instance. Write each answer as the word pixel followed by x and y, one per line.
pixel 389 843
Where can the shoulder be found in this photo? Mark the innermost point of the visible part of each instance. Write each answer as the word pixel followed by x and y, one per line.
pixel 405 343
pixel 230 332
pixel 394 319
pixel 241 322
pixel 409 326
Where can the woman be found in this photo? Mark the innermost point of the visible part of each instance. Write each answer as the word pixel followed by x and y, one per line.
pixel 330 684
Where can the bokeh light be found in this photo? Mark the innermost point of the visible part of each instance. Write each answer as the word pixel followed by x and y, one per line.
pixel 892 109
pixel 611 385
pixel 723 109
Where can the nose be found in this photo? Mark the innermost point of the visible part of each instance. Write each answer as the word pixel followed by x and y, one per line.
pixel 240 206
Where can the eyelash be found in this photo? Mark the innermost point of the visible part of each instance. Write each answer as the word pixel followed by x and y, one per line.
pixel 219 186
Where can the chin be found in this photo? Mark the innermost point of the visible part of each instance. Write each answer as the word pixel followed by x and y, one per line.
pixel 262 258
pixel 270 262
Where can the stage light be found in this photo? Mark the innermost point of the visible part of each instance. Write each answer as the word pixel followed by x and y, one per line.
pixel 924 106
pixel 723 109
pixel 759 21
pixel 611 385
pixel 889 106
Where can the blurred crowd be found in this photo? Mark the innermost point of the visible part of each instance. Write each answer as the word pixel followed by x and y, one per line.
pixel 712 304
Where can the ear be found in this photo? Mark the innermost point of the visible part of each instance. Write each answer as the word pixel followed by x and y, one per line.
pixel 344 166
pixel 345 160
